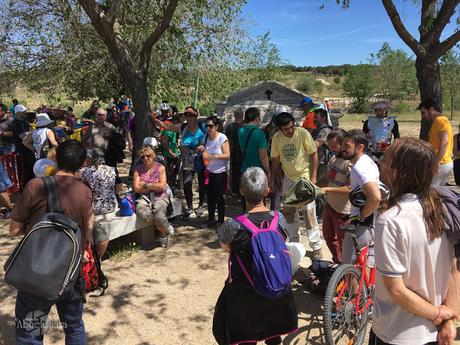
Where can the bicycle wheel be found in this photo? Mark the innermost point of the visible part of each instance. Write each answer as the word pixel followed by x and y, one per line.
pixel 341 324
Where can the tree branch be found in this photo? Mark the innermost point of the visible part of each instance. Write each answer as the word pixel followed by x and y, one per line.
pixel 447 44
pixel 113 11
pixel 445 13
pixel 146 50
pixel 401 29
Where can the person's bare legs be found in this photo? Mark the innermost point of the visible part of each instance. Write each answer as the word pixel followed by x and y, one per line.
pixel 101 248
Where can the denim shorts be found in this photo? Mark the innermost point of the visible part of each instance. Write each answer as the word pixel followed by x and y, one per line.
pixel 5 181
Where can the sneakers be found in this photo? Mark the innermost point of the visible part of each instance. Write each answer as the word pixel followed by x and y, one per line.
pixel 317 255
pixel 170 230
pixel 189 213
pixel 164 241
pixel 199 211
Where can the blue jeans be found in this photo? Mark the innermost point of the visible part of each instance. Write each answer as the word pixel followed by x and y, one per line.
pixel 32 316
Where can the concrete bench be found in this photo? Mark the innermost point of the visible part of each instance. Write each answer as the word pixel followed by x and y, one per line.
pixel 117 226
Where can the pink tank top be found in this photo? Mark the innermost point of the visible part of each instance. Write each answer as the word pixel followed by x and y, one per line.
pixel 152 177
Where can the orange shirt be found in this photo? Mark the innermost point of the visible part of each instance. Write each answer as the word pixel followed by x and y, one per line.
pixel 441 124
pixel 308 122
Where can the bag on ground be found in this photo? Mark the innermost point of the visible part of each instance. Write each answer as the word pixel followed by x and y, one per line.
pixel 321 272
pixel 271 268
pixel 92 272
pixel 47 260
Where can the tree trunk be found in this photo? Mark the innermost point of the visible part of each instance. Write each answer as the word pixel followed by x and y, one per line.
pixel 429 82
pixel 143 124
pixel 451 107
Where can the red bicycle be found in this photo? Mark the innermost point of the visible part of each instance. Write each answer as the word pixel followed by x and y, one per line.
pixel 349 298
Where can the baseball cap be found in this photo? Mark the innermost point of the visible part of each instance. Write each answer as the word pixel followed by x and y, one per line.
pixel 279 110
pixel 151 141
pixel 305 100
pixel 20 108
pixel 381 105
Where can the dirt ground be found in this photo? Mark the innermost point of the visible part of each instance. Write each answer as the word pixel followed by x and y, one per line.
pixel 159 296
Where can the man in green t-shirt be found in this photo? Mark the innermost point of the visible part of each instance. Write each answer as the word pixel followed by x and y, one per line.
pixel 253 143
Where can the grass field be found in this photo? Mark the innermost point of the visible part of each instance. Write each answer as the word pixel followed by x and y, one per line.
pixel 409 123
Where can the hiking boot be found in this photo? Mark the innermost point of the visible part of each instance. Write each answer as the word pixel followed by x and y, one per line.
pixel 199 211
pixel 164 241
pixel 317 255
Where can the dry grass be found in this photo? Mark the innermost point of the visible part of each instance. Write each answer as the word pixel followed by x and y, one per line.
pixel 409 123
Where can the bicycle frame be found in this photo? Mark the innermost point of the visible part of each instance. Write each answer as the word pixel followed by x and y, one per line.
pixel 361 264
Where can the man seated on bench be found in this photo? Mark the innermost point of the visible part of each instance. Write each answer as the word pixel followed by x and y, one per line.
pixel 149 180
pixel 101 179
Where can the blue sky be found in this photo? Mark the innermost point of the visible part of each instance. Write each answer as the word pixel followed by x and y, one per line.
pixel 309 36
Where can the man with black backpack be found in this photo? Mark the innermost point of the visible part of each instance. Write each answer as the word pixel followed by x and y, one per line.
pixel 71 200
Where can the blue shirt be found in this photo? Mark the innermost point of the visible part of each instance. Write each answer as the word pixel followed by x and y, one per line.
pixel 190 140
pixel 257 140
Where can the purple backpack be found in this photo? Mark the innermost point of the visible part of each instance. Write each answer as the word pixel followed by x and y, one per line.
pixel 271 268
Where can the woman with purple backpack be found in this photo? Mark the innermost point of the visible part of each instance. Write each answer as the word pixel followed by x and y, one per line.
pixel 244 313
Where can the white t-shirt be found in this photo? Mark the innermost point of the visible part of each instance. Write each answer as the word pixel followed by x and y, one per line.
pixel 214 147
pixel 363 171
pixel 402 249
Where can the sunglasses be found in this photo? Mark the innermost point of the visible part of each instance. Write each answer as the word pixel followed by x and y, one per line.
pixel 146 156
pixel 210 126
pixel 187 114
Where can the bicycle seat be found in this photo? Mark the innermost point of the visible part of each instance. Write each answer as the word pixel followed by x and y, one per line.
pixel 350 227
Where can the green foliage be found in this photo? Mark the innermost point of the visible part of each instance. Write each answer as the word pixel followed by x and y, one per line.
pixel 309 85
pixel 401 107
pixel 359 85
pixel 337 80
pixel 56 49
pixel 395 77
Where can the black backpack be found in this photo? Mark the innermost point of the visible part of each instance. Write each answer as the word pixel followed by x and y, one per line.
pixel 47 260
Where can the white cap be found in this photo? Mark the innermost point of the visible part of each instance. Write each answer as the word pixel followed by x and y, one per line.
pixel 278 110
pixel 151 141
pixel 20 108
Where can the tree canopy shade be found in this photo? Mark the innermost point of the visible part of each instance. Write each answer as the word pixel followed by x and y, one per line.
pixel 140 44
pixel 434 17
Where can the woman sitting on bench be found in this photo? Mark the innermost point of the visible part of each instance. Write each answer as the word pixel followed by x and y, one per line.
pixel 149 180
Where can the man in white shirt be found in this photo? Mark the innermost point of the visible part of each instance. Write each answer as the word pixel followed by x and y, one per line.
pixel 365 174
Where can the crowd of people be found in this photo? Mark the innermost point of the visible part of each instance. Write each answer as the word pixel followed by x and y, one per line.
pixel 399 218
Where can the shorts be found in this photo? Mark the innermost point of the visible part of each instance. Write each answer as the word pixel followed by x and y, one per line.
pixel 365 237
pixel 156 214
pixel 99 233
pixel 5 181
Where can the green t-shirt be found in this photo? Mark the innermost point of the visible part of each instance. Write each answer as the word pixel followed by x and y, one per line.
pixel 257 140
pixel 172 142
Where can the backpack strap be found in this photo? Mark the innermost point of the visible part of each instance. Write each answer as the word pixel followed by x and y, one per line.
pixel 247 224
pixel 275 221
pixel 252 228
pixel 52 195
